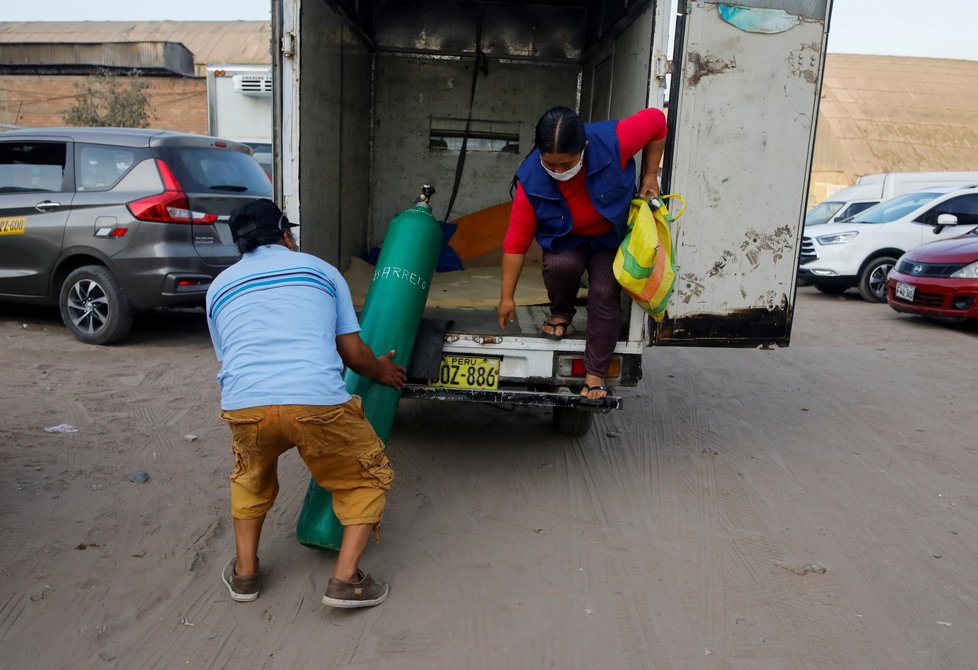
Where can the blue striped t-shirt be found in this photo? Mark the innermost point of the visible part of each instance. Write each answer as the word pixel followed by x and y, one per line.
pixel 273 318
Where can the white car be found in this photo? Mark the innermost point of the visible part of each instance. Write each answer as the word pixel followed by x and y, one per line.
pixel 862 251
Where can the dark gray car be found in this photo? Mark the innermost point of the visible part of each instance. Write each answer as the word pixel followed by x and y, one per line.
pixel 108 222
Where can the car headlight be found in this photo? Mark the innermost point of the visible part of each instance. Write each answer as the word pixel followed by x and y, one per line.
pixel 969 271
pixel 838 238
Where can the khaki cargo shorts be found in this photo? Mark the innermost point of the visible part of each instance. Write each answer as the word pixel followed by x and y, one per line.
pixel 337 443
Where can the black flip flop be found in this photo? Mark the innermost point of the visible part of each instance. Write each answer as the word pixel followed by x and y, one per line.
pixel 564 325
pixel 596 402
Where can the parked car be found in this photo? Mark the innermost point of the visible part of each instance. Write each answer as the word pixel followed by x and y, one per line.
pixel 872 189
pixel 828 211
pixel 862 251
pixel 108 222
pixel 937 280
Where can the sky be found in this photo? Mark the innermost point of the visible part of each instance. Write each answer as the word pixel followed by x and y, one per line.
pixel 938 29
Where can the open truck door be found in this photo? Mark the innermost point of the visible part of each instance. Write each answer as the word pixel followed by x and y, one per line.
pixel 742 109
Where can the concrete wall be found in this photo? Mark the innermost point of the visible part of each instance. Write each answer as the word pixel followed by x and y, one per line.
pixel 175 103
pixel 832 167
pixel 409 91
pixel 826 182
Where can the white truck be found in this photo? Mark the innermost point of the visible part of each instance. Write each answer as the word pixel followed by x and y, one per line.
pixel 372 99
pixel 239 107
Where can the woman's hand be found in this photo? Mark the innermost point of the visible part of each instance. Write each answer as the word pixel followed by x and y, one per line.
pixel 650 171
pixel 511 269
pixel 506 311
pixel 649 187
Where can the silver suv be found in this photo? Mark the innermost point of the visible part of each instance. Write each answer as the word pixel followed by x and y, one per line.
pixel 108 222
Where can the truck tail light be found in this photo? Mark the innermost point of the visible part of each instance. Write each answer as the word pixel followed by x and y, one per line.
pixel 573 366
pixel 170 206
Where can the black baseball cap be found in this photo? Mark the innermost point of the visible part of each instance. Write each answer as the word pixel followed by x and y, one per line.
pixel 257 216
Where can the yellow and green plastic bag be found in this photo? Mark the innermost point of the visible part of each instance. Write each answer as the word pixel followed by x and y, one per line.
pixel 645 264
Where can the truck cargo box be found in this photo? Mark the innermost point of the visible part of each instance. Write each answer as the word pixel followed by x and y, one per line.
pixel 374 99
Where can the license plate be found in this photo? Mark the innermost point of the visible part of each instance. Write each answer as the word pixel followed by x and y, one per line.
pixel 13 226
pixel 467 372
pixel 905 291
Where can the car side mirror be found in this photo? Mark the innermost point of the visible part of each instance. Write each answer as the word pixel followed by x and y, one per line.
pixel 945 220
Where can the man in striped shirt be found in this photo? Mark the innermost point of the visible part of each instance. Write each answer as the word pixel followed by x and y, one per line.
pixel 283 327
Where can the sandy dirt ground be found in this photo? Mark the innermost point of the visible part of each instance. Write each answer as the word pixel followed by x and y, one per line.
pixel 808 508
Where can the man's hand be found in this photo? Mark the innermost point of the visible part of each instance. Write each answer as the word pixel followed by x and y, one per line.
pixel 358 357
pixel 506 311
pixel 391 373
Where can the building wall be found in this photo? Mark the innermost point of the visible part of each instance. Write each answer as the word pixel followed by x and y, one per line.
pixel 893 114
pixel 175 103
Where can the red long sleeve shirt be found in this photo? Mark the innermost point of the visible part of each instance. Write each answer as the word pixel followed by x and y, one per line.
pixel 633 134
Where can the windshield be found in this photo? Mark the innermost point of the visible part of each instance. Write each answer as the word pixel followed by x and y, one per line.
pixel 213 171
pixel 822 212
pixel 891 210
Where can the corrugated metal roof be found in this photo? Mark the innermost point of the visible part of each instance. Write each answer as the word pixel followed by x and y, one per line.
pixel 73 57
pixel 209 41
pixel 895 114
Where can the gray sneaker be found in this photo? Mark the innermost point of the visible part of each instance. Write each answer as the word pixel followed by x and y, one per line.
pixel 364 592
pixel 242 589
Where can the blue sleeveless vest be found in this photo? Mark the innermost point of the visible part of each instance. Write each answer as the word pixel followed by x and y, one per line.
pixel 611 190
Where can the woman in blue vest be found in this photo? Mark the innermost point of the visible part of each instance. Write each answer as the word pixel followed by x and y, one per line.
pixel 572 196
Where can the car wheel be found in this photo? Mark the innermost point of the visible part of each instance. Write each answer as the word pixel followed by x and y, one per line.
pixel 872 281
pixel 94 307
pixel 830 289
pixel 572 421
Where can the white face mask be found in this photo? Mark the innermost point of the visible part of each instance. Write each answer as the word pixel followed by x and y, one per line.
pixel 568 174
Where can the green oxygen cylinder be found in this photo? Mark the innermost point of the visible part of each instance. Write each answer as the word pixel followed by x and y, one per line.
pixel 389 320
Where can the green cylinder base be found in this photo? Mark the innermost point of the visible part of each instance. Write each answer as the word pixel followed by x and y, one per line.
pixel 318 525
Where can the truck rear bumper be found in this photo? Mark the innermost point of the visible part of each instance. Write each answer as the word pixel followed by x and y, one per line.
pixel 529 398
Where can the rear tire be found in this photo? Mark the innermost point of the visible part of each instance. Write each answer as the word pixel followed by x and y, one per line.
pixel 94 307
pixel 572 421
pixel 872 280
pixel 829 289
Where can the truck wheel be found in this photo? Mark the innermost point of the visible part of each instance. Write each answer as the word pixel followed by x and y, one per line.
pixel 830 289
pixel 94 307
pixel 872 280
pixel 572 421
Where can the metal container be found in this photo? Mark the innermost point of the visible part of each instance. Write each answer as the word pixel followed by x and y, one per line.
pixel 389 321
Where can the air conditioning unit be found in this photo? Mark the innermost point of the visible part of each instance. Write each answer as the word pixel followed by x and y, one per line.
pixel 257 85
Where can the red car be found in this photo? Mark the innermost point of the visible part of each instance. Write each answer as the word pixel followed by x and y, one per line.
pixel 937 280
